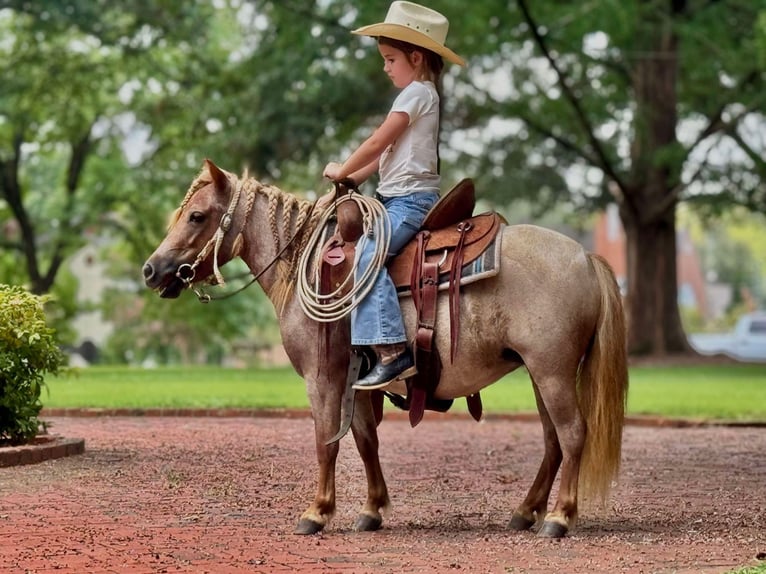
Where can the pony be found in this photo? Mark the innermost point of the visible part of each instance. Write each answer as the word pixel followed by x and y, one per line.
pixel 552 308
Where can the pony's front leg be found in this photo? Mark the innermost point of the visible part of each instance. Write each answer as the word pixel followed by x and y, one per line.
pixel 364 429
pixel 318 515
pixel 325 399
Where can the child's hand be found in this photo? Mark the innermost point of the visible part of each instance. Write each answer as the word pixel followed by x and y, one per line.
pixel 332 171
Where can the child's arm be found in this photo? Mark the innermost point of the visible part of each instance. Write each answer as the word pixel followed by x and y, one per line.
pixel 361 175
pixel 364 160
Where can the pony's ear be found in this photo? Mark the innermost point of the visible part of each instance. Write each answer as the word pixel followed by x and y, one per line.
pixel 220 179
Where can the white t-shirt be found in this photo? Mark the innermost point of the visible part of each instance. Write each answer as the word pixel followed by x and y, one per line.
pixel 409 164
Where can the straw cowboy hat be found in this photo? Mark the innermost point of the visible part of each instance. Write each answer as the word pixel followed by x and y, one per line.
pixel 415 24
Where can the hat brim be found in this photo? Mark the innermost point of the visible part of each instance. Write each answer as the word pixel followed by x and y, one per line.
pixel 405 34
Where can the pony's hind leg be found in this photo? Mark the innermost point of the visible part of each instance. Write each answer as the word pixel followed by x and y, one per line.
pixel 364 429
pixel 535 504
pixel 559 396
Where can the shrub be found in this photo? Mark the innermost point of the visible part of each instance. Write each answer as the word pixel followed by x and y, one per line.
pixel 28 350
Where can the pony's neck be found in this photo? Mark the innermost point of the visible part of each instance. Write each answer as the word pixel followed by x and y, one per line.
pixel 276 232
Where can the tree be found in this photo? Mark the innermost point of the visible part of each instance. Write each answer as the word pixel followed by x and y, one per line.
pixel 256 87
pixel 65 68
pixel 85 78
pixel 295 90
pixel 576 104
pixel 647 104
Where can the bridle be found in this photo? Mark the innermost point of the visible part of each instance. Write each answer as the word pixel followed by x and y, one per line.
pixel 187 272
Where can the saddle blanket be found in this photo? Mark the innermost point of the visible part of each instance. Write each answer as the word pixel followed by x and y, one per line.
pixel 484 266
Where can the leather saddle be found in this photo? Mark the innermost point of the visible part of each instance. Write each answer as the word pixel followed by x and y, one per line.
pixel 450 237
pixel 474 234
pixel 441 223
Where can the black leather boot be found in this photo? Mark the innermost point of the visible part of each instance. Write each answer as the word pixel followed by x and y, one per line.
pixel 385 373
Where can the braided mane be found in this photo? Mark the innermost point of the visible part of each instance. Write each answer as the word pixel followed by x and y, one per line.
pixel 298 221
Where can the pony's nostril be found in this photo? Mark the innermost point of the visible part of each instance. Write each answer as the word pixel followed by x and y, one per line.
pixel 148 271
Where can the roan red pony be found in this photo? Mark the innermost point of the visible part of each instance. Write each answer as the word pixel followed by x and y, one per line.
pixel 552 308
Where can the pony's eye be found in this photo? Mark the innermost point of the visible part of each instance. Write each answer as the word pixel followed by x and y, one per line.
pixel 197 217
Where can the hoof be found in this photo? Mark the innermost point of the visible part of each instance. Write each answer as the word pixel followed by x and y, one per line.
pixel 552 530
pixel 520 523
pixel 307 527
pixel 367 523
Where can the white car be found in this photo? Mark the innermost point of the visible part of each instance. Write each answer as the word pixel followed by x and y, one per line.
pixel 746 343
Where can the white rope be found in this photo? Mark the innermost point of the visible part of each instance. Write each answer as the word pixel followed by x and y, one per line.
pixel 330 307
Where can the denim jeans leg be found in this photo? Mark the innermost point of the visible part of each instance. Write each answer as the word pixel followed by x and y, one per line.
pixel 378 318
pixel 406 215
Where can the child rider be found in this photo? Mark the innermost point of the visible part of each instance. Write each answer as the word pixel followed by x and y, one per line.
pixel 403 149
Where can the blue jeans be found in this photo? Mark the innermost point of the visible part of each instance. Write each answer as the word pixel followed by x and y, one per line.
pixel 378 319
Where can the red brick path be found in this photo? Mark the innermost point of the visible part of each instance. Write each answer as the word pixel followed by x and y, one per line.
pixel 222 495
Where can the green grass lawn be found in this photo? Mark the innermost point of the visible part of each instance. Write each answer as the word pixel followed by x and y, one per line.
pixel 177 387
pixel 709 392
pixel 760 569
pixel 721 392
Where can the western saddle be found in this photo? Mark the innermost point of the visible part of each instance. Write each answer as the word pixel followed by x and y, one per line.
pixel 450 237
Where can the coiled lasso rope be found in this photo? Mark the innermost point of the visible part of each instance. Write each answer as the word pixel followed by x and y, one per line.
pixel 330 307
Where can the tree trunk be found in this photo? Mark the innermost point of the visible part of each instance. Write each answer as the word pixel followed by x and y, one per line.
pixel 11 190
pixel 654 320
pixel 648 209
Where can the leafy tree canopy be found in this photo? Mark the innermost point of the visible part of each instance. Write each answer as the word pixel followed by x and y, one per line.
pixel 107 110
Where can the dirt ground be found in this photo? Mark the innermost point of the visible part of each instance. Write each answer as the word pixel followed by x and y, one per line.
pixel 222 495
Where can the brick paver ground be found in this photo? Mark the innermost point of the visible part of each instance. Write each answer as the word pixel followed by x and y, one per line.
pixel 222 495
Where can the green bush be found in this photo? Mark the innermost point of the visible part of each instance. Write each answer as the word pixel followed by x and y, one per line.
pixel 28 351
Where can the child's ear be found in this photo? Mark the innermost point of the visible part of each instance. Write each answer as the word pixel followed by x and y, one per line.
pixel 417 58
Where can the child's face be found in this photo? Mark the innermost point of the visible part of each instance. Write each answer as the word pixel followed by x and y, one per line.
pixel 398 66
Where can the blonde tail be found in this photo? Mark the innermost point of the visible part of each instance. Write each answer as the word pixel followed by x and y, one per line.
pixel 603 390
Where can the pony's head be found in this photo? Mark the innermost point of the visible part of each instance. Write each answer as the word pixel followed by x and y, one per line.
pixel 186 255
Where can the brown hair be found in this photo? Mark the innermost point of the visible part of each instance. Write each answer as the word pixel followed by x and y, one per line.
pixel 433 63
